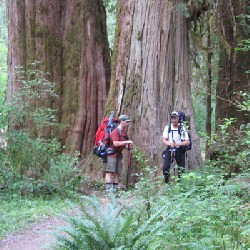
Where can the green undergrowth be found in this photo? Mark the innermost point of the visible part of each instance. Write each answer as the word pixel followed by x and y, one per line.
pixel 17 212
pixel 202 211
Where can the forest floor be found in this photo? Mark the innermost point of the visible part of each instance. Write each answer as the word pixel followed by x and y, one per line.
pixel 38 236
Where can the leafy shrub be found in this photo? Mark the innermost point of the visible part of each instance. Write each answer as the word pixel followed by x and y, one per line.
pixel 62 173
pixel 29 107
pixel 213 216
pixel 61 176
pixel 231 147
pixel 33 161
pixel 203 211
pixel 30 155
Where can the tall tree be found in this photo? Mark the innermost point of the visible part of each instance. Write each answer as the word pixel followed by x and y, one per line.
pixel 233 65
pixel 3 50
pixel 68 38
pixel 151 71
pixel 209 90
pixel 86 71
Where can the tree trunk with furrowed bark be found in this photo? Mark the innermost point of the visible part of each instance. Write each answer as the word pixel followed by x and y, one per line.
pixel 233 64
pixel 151 72
pixel 68 38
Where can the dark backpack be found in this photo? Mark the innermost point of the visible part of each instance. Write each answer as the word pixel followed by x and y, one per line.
pixel 102 137
pixel 182 117
pixel 181 129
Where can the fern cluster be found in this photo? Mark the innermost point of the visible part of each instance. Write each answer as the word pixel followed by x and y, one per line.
pixel 203 211
pixel 118 225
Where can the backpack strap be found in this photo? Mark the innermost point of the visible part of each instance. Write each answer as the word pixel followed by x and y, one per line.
pixel 172 131
pixel 181 131
pixel 169 128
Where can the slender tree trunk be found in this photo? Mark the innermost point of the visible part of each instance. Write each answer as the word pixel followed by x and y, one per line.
pixel 69 39
pixel 151 71
pixel 233 65
pixel 209 94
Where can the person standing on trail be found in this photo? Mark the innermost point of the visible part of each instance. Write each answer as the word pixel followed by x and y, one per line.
pixel 175 140
pixel 118 141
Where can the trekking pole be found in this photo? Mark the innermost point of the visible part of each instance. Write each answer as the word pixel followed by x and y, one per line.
pixel 172 156
pixel 173 167
pixel 129 167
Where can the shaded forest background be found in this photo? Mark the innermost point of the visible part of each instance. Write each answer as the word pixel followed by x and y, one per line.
pixel 193 56
pixel 65 64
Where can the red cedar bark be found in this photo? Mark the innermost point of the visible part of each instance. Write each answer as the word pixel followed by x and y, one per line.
pixel 16 44
pixel 152 72
pixel 69 39
pixel 35 34
pixel 233 64
pixel 86 72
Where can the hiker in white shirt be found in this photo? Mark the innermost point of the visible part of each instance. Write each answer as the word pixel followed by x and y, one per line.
pixel 175 140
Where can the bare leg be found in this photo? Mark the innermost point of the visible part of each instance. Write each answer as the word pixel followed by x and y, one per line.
pixel 109 177
pixel 109 180
pixel 115 178
pixel 115 181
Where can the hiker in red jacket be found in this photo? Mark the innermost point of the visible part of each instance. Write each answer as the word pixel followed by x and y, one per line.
pixel 118 141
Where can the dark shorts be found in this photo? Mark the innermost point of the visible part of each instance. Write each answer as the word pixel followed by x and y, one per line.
pixel 114 165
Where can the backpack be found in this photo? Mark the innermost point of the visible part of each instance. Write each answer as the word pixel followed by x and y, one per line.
pixel 182 117
pixel 181 129
pixel 102 137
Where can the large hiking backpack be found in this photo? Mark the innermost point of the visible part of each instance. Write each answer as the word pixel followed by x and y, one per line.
pixel 182 129
pixel 102 137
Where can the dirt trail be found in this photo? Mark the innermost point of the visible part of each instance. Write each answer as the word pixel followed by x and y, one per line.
pixel 35 238
pixel 38 236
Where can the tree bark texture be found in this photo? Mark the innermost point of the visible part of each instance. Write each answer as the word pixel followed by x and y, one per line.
pixel 151 71
pixel 86 67
pixel 16 45
pixel 209 108
pixel 68 38
pixel 233 64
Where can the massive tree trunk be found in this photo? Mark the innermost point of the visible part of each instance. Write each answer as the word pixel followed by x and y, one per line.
pixel 16 45
pixel 151 71
pixel 35 34
pixel 86 72
pixel 69 39
pixel 233 65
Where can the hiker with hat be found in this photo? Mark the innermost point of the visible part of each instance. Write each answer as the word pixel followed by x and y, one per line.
pixel 175 142
pixel 118 141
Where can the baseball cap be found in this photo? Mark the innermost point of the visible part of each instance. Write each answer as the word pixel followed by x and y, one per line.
pixel 124 118
pixel 174 114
